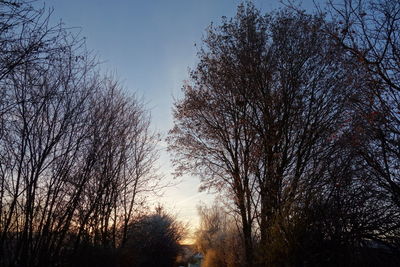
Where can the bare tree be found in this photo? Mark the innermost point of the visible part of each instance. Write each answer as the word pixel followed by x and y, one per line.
pixel 76 153
pixel 47 102
pixel 369 31
pixel 267 118
pixel 122 154
pixel 211 137
pixel 266 96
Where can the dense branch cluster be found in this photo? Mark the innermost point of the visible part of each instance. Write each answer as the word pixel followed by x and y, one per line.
pixel 76 152
pixel 294 119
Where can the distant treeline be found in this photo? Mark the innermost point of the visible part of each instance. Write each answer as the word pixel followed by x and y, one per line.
pixel 294 119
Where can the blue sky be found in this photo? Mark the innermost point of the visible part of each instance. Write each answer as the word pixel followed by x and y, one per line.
pixel 149 44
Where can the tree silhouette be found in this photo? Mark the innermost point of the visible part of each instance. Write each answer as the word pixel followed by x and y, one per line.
pixel 76 153
pixel 268 119
pixel 153 240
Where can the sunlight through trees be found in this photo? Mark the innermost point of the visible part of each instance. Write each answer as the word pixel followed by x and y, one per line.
pixel 292 118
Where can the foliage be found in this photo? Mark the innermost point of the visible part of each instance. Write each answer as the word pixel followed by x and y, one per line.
pixel 279 116
pixel 218 238
pixel 153 240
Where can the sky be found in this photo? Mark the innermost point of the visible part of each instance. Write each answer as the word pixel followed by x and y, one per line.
pixel 150 46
